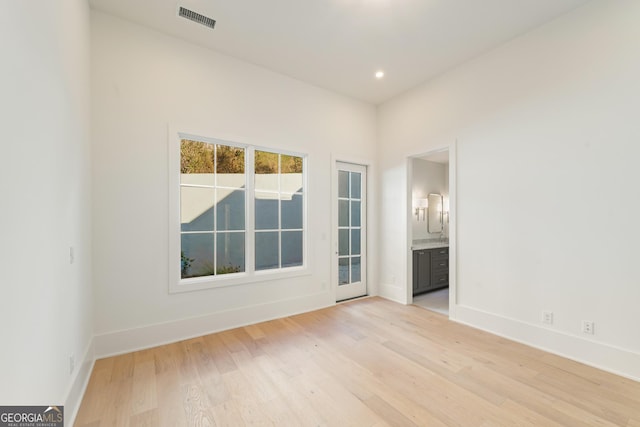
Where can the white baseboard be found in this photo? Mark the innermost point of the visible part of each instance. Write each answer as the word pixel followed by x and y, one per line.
pixel 616 360
pixel 79 384
pixel 125 341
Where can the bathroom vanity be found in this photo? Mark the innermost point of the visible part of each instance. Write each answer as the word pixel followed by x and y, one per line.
pixel 430 265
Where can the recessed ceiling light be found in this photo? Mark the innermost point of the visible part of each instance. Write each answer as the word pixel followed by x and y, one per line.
pixel 379 74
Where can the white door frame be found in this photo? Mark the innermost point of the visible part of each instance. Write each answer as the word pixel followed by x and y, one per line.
pixel 359 289
pixel 453 210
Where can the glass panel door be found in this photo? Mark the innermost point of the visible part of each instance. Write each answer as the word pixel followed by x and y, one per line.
pixel 351 230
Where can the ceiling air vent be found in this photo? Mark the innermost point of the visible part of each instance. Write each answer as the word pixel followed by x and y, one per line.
pixel 196 17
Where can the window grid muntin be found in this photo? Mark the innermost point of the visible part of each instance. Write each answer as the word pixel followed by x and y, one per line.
pixel 350 227
pixel 279 193
pixel 215 232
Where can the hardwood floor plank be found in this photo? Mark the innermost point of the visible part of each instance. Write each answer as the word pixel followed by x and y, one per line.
pixel 261 386
pixel 143 394
pixel 227 414
pixel 254 331
pixel 333 413
pixel 388 413
pixel 146 419
pixel 95 398
pixel 295 403
pixel 339 393
pixel 350 371
pixel 122 368
pixel 170 406
pixel 166 357
pixel 117 411
pixel 249 343
pixel 219 353
pixel 465 382
pixel 231 341
pixel 197 407
pixel 514 414
pixel 530 397
pixel 582 396
pixel 242 392
pixel 368 362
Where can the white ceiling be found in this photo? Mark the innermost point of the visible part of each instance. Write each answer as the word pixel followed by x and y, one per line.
pixel 340 44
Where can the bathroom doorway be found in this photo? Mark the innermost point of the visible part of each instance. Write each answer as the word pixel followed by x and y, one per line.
pixel 431 235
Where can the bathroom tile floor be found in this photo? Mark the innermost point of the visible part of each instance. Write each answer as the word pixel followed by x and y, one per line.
pixel 437 301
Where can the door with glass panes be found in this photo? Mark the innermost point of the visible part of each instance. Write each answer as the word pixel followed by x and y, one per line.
pixel 351 241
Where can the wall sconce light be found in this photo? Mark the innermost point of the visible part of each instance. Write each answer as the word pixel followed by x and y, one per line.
pixel 445 211
pixel 420 205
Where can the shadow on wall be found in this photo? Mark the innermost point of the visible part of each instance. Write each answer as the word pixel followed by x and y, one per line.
pixel 220 230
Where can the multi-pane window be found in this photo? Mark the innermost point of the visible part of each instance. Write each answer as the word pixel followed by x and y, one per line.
pixel 212 209
pixel 278 210
pixel 241 209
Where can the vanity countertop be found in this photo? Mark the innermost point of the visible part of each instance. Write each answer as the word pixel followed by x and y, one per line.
pixel 429 244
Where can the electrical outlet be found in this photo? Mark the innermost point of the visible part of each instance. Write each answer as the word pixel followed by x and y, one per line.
pixel 547 317
pixel 72 364
pixel 588 327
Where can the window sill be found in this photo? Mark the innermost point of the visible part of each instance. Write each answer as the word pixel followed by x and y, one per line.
pixel 235 279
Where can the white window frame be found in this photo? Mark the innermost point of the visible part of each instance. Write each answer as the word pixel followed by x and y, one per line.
pixel 176 283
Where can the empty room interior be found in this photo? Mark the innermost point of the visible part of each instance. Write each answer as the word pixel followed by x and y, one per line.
pixel 323 212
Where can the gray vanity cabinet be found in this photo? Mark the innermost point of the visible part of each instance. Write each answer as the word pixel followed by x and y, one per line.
pixel 430 269
pixel 421 271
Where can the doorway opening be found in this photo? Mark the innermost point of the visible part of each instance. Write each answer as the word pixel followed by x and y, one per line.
pixel 431 235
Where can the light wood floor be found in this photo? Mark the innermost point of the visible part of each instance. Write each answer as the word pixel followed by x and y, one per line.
pixel 368 362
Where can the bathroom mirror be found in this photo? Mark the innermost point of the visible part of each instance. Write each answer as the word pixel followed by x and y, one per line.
pixel 434 224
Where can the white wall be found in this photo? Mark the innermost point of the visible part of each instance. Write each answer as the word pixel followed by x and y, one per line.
pixel 45 302
pixel 548 205
pixel 143 82
pixel 426 178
